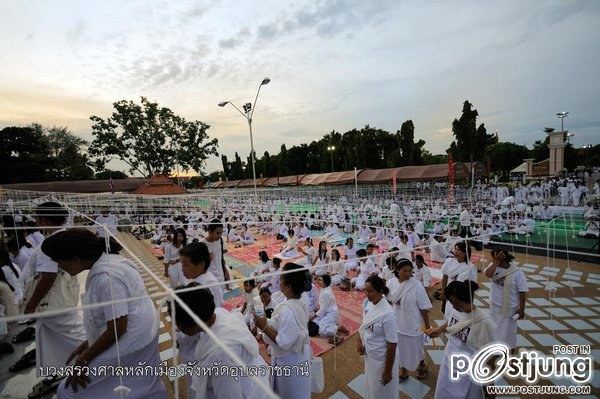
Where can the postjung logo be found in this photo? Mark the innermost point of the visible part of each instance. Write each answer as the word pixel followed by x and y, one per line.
pixel 527 365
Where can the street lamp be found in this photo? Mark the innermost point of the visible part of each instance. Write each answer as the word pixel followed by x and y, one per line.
pixel 331 149
pixel 562 116
pixel 244 169
pixel 248 113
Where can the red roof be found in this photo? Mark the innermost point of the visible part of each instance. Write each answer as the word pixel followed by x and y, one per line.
pixel 159 185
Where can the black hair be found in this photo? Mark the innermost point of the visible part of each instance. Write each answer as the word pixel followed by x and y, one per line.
pixel 403 262
pixel 276 261
pixel 291 232
pixel 264 290
pixel 323 252
pixel 464 248
pixel 74 243
pixel 508 257
pixel 197 252
pixel 112 247
pixel 361 253
pixel 420 257
pixel 214 224
pixel 391 261
pixel 298 281
pixel 182 234
pixel 461 290
pixel 326 280
pixel 378 284
pixel 54 212
pixel 264 256
pixel 335 254
pixel 371 246
pixel 251 283
pixel 16 242
pixel 349 239
pixel 200 302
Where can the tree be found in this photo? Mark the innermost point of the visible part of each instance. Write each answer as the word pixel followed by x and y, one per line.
pixel 24 155
pixel 150 139
pixel 282 161
pixel 540 150
pixel 110 174
pixel 504 157
pixel 470 141
pixel 66 151
pixel 226 166
pixel 406 140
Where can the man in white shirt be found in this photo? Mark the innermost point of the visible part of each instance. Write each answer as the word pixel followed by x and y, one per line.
pixel 214 242
pixel 465 223
pixel 106 219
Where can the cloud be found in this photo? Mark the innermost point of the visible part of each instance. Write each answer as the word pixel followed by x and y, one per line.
pixel 229 43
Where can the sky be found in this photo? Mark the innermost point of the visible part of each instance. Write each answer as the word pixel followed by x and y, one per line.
pixel 333 65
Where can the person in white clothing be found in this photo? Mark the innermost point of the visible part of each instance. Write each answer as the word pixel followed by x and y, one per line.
pixel 251 297
pixel 458 268
pixel 12 274
pixel 290 249
pixel 366 267
pixel 350 254
pixel 134 324
pixel 422 272
pixel 411 304
pixel 321 260
pixel 309 252
pixel 378 341
pixel 216 248
pixel 286 334
pixel 56 336
pixel 106 220
pixel 469 329
pixel 273 281
pixel 337 270
pixel 508 293
pixel 195 261
pixel 171 256
pixel 327 317
pixel 438 250
pixel 230 328
pixel 264 266
pixel 20 249
pixel 270 300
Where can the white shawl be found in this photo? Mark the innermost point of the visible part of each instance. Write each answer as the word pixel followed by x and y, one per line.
pixel 374 314
pixel 403 291
pixel 507 286
pixel 482 328
pixel 301 316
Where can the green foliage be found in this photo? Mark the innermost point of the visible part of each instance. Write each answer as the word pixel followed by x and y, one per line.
pixel 110 174
pixel 150 139
pixel 470 141
pixel 504 157
pixel 36 153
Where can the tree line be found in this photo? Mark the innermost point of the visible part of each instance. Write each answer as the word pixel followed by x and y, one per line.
pixel 152 139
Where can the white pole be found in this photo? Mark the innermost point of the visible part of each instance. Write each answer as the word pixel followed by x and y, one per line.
pixel 252 155
pixel 355 183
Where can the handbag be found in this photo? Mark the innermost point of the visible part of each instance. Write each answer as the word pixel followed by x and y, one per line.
pixel 63 294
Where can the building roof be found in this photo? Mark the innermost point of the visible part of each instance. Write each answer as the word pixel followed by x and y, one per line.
pixel 159 185
pixel 80 186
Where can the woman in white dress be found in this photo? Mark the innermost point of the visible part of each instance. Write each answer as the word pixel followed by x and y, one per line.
pixel 229 327
pixel 508 293
pixel 134 324
pixel 412 305
pixel 469 329
pixel 350 254
pixel 337 270
pixel 309 252
pixel 458 268
pixel 321 260
pixel 290 249
pixel 377 342
pixel 328 316
pixel 171 256
pixel 286 333
pixel 195 261
pixel 264 265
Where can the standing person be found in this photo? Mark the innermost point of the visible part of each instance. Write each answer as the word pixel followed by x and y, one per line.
pixel 458 268
pixel 286 333
pixel 195 260
pixel 231 330
pixel 377 342
pixel 507 296
pixel 108 220
pixel 411 305
pixel 134 324
pixel 171 257
pixel 214 242
pixel 465 223
pixel 469 329
pixel 56 336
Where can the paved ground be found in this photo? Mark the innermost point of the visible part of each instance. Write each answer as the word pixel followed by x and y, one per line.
pixel 570 316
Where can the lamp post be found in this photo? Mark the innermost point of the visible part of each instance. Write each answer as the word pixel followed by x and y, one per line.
pixel 248 113
pixel 562 116
pixel 331 149
pixel 244 169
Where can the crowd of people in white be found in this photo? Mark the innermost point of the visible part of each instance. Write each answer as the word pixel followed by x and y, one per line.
pixel 374 246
